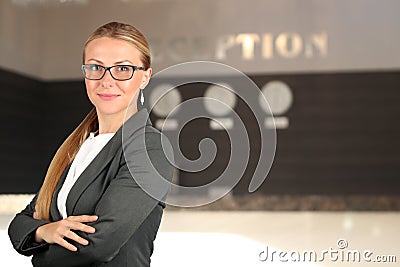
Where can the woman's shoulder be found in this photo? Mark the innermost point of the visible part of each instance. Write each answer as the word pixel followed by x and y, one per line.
pixel 152 130
pixel 155 138
pixel 148 136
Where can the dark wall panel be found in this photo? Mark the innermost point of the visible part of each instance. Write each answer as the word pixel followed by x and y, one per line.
pixel 20 134
pixel 37 117
pixel 66 107
pixel 342 136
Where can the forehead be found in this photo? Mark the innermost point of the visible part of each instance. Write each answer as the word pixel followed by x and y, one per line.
pixel 110 50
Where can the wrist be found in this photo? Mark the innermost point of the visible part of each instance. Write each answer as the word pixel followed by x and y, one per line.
pixel 38 238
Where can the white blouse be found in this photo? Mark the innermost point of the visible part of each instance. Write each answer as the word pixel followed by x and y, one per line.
pixel 87 152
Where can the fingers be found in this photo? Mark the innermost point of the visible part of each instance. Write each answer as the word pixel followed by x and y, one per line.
pixel 77 223
pixel 80 227
pixel 56 232
pixel 62 242
pixel 73 236
pixel 66 230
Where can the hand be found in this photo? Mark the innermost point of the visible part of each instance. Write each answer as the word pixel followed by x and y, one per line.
pixel 54 233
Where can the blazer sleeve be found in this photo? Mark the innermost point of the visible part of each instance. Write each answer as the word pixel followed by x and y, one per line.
pixel 22 231
pixel 121 210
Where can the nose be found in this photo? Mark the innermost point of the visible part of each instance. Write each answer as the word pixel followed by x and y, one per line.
pixel 107 80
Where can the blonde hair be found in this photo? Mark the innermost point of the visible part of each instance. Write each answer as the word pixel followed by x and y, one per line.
pixel 125 32
pixel 67 151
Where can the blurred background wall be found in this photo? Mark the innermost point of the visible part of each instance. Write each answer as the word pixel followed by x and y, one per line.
pixel 255 36
pixel 337 62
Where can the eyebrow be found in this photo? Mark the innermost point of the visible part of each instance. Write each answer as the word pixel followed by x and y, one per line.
pixel 117 63
pixel 98 61
pixel 124 61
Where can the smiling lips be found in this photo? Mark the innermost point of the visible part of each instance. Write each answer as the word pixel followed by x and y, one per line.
pixel 108 97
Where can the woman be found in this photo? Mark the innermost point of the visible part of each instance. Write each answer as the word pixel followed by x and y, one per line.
pixel 92 209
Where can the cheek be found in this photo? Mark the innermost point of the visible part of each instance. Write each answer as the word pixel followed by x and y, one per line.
pixel 90 88
pixel 90 85
pixel 131 87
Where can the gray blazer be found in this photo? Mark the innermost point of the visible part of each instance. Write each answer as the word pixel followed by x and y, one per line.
pixel 129 218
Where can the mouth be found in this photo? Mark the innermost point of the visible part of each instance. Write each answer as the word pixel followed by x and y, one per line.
pixel 108 97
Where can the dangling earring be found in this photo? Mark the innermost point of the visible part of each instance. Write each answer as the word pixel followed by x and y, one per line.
pixel 141 97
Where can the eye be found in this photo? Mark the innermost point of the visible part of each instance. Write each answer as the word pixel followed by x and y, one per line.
pixel 123 68
pixel 94 67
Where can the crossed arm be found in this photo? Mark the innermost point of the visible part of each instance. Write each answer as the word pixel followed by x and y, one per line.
pixel 119 213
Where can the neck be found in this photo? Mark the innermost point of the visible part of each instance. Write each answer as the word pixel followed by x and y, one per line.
pixel 110 123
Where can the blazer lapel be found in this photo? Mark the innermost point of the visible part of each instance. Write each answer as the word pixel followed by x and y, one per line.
pixel 92 171
pixel 136 122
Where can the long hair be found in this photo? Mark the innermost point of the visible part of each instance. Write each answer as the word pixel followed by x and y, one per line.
pixel 68 150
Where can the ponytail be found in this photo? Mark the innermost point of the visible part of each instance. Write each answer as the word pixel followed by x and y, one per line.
pixel 64 156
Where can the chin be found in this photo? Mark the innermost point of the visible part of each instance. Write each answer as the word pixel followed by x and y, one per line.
pixel 110 111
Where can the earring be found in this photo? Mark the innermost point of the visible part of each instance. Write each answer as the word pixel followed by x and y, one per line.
pixel 141 97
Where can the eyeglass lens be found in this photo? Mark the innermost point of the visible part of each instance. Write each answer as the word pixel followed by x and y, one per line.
pixel 118 72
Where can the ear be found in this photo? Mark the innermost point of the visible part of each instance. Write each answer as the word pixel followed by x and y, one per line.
pixel 146 78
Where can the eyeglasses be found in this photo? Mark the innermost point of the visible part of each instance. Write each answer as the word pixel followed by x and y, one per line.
pixel 118 72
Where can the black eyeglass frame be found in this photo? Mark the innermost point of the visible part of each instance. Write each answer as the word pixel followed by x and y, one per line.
pixel 135 68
